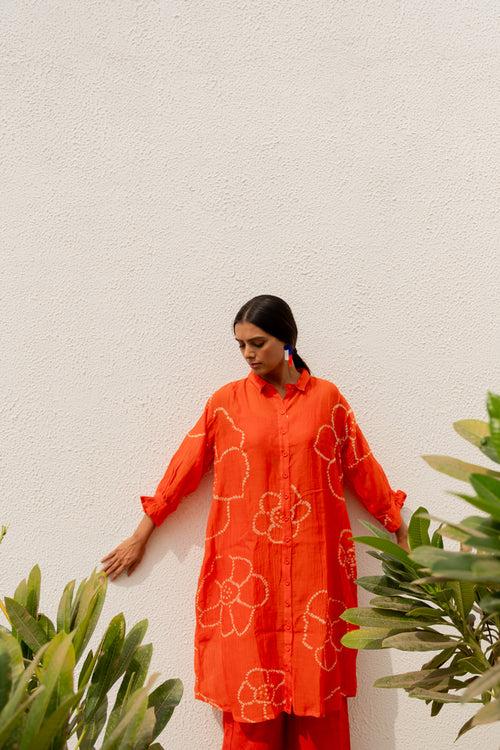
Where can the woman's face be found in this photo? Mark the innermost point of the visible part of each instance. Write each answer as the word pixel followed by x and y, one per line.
pixel 259 347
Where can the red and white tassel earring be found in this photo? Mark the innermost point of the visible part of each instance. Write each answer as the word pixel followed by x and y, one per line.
pixel 289 356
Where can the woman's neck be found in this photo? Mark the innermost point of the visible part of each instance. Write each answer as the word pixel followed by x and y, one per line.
pixel 282 375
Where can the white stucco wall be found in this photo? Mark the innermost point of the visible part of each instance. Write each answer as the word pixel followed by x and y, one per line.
pixel 163 162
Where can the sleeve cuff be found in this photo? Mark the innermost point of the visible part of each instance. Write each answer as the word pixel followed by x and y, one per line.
pixel 152 509
pixel 398 499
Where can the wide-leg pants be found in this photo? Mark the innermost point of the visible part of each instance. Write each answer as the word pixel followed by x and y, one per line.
pixel 287 731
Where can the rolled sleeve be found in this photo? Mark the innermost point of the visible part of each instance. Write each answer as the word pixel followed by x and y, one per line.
pixel 192 459
pixel 365 476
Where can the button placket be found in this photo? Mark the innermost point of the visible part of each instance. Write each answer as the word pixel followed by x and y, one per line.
pixel 287 552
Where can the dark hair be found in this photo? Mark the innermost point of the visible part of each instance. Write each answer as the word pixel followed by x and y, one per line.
pixel 274 316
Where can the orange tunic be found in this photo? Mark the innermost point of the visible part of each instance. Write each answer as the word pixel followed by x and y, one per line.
pixel 279 565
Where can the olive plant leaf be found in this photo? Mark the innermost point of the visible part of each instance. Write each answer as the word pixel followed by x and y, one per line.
pixel 486 715
pixel 454 467
pixel 381 618
pixel 488 680
pixel 418 528
pixel 366 638
pixel 473 430
pixel 29 629
pixel 420 640
pixel 493 407
pixel 387 546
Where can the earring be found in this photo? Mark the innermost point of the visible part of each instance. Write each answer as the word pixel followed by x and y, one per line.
pixel 288 354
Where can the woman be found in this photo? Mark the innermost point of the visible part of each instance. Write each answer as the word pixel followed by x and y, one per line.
pixel 279 564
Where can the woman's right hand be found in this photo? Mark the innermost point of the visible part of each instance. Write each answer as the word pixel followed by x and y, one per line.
pixel 126 556
pixel 129 553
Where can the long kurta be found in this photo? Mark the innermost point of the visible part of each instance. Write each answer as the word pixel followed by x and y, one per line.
pixel 279 564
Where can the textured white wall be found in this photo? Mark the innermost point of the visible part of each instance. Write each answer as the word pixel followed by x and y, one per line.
pixel 162 162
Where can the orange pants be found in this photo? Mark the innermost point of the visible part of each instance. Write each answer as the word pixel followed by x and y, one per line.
pixel 289 732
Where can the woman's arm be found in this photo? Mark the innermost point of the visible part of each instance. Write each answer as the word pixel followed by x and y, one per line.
pixel 365 476
pixel 402 532
pixel 190 461
pixel 145 528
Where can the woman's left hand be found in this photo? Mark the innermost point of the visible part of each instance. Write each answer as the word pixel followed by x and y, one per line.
pixel 402 537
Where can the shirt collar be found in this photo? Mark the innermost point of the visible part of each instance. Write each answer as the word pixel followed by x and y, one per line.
pixel 260 383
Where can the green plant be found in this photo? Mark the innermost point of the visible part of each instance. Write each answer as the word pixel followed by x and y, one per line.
pixel 435 599
pixel 41 707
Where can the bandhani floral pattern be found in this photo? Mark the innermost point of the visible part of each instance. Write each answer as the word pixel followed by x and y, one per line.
pixel 329 443
pixel 261 694
pixel 330 438
pixel 358 449
pixel 385 519
pixel 231 467
pixel 229 594
pixel 323 628
pixel 347 553
pixel 271 519
pixel 333 694
pixel 202 697
pixel 278 566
